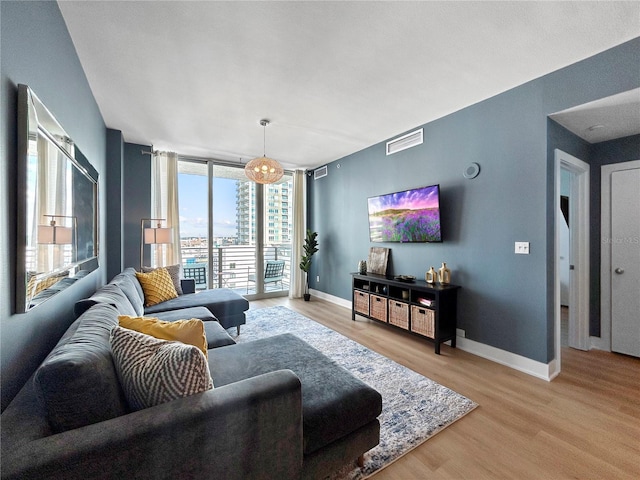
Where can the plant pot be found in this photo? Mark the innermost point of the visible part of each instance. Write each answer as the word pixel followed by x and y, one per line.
pixel 307 297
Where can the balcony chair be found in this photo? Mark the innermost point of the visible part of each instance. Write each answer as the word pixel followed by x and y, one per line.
pixel 198 273
pixel 273 273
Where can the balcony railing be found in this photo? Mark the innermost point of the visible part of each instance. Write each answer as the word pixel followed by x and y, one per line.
pixel 232 266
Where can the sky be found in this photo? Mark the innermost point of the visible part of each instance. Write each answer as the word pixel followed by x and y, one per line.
pixel 192 192
pixel 419 198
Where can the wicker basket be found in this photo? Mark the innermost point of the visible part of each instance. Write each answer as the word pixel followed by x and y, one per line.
pixel 378 308
pixel 361 300
pixel 399 314
pixel 423 321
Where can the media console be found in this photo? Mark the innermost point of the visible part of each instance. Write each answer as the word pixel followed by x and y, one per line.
pixel 418 307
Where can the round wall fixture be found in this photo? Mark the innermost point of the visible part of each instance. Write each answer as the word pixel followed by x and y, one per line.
pixel 472 170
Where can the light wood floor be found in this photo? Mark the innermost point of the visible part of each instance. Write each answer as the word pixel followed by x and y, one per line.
pixel 585 424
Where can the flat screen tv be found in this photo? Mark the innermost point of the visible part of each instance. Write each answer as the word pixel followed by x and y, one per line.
pixel 407 216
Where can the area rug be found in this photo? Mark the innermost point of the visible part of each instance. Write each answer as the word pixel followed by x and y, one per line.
pixel 414 408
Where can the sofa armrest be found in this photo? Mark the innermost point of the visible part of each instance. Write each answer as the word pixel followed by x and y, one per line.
pixel 188 285
pixel 251 429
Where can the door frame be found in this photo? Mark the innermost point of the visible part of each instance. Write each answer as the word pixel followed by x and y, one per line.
pixel 604 341
pixel 579 248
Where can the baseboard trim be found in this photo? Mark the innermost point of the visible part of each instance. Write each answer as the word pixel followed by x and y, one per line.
pixel 598 343
pixel 540 370
pixel 544 371
pixel 330 298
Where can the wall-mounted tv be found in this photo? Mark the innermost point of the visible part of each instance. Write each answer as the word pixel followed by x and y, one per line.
pixel 407 216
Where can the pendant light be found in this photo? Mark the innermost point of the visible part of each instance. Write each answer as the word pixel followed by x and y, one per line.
pixel 264 169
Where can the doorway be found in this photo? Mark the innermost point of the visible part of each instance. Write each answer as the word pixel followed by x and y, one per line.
pixel 620 254
pixel 576 175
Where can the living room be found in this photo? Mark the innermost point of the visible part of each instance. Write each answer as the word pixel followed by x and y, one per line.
pixel 505 306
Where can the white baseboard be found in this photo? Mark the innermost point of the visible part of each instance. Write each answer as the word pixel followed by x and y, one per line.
pixel 330 298
pixel 545 371
pixel 517 362
pixel 598 343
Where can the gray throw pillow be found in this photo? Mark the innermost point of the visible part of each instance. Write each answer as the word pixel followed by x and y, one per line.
pixel 154 371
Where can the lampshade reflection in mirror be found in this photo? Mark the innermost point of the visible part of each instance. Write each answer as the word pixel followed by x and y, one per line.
pixel 53 234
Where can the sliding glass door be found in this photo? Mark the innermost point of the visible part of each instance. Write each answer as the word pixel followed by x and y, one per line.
pixel 233 230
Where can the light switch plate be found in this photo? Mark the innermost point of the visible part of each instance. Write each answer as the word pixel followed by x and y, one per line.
pixel 522 248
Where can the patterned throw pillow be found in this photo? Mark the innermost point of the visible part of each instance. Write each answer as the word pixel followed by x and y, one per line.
pixel 157 286
pixel 153 371
pixel 174 273
pixel 190 331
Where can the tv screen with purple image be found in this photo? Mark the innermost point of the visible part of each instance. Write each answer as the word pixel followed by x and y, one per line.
pixel 407 216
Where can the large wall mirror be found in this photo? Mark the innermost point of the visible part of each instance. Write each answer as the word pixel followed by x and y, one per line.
pixel 57 206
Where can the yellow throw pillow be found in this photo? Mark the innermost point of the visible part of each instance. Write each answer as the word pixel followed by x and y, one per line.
pixel 157 286
pixel 186 331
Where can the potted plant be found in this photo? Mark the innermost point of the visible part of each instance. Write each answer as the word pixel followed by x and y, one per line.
pixel 310 247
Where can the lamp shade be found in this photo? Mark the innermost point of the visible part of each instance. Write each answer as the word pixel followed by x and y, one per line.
pixel 264 170
pixel 158 235
pixel 55 235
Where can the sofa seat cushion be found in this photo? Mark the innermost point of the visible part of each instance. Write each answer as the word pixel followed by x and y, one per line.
pixel 217 336
pixel 202 313
pixel 77 382
pixel 334 402
pixel 222 302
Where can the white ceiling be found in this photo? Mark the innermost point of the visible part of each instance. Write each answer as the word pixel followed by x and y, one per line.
pixel 609 118
pixel 332 77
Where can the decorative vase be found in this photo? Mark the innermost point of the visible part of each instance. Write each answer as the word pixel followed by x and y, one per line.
pixel 444 274
pixel 431 276
pixel 362 267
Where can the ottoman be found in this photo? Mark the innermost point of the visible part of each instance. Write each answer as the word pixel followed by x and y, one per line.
pixel 335 404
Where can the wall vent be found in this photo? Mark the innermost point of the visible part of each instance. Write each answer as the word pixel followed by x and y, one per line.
pixel 405 141
pixel 320 172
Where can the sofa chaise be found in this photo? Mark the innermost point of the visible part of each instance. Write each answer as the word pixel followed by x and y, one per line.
pixel 279 409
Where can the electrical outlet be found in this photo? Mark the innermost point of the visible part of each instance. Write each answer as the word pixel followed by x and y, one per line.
pixel 522 248
pixel 318 279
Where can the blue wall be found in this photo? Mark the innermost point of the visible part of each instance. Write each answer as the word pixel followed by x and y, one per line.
pixel 37 51
pixel 507 299
pixel 136 204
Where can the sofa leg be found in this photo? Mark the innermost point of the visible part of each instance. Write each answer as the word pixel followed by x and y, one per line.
pixel 238 329
pixel 360 461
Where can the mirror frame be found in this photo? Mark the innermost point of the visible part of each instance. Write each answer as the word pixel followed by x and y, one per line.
pixel 35 120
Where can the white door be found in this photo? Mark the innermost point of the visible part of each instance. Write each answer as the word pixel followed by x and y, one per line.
pixel 625 261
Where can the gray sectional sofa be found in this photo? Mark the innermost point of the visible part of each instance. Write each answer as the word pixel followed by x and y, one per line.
pixel 279 410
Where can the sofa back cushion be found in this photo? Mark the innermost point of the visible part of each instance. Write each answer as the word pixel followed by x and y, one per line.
pixel 130 286
pixel 109 293
pixel 77 382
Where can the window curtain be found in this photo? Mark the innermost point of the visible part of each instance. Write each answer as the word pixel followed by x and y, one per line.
pixel 296 289
pixel 53 197
pixel 164 204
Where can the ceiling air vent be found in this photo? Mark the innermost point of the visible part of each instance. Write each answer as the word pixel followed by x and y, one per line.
pixel 405 141
pixel 320 172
